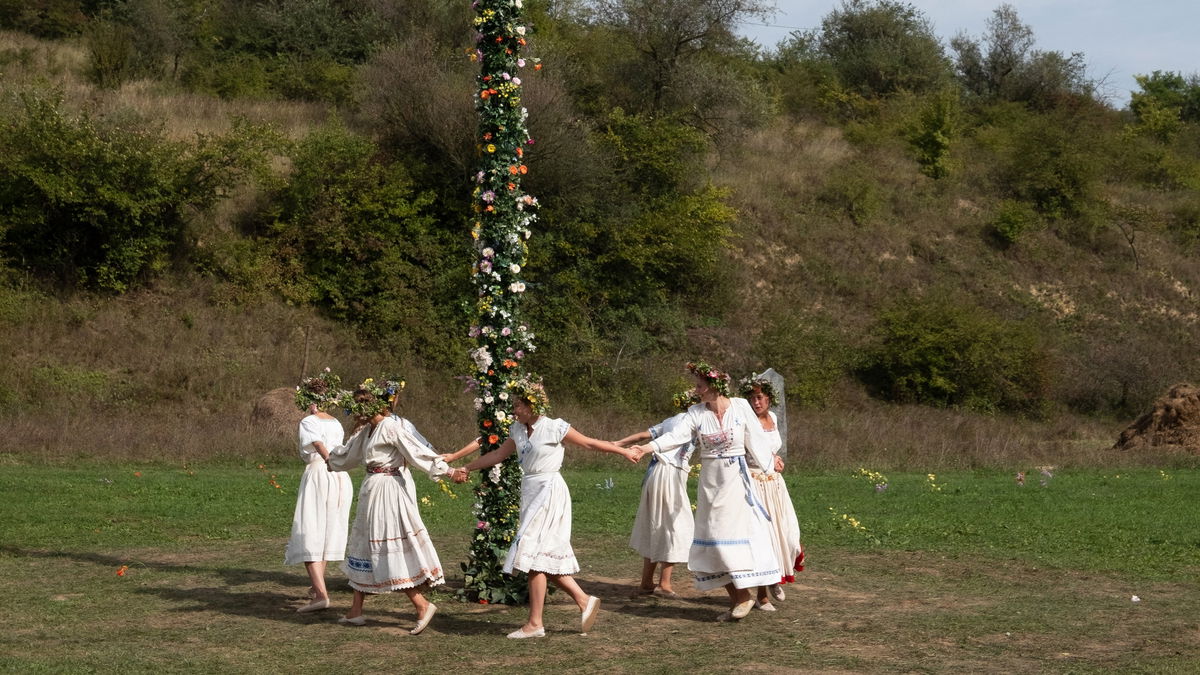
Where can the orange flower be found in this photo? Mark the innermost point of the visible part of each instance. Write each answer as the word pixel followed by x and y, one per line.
pixel 524 169
pixel 521 41
pixel 487 424
pixel 487 136
pixel 491 372
pixel 509 363
pixel 489 208
pixel 137 474
pixel 493 439
pixel 513 170
pixel 512 186
pixel 121 570
pixel 484 94
pixel 487 78
pixel 537 66
pixel 499 39
pixel 482 601
pixel 520 152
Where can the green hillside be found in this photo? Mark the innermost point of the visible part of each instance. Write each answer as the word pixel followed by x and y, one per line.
pixel 959 254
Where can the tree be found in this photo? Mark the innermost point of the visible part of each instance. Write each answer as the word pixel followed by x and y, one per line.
pixel 880 47
pixel 1003 65
pixel 1167 91
pixel 670 33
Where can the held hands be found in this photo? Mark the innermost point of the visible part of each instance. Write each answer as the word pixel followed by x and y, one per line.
pixel 460 475
pixel 778 464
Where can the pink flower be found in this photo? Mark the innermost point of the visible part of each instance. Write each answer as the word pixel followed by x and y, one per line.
pixel 481 525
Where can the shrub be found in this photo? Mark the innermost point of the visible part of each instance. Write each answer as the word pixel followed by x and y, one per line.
pixel 356 240
pixel 812 355
pixel 880 47
pixel 932 135
pixel 1012 220
pixel 102 204
pixel 937 352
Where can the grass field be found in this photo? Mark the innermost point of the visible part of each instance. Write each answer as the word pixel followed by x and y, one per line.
pixel 967 571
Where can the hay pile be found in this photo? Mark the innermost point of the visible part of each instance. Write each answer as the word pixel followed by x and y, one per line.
pixel 275 412
pixel 1174 422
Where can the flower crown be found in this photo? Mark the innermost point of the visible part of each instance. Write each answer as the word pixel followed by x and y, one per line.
pixel 747 384
pixel 685 399
pixel 383 396
pixel 532 392
pixel 320 389
pixel 716 379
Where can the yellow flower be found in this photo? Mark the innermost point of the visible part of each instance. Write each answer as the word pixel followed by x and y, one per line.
pixel 426 501
pixel 491 147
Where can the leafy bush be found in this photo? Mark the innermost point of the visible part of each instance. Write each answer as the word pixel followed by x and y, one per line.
pixel 1012 220
pixel 812 355
pixel 880 47
pixel 934 130
pixel 102 204
pixel 938 352
pixel 351 236
pixel 1050 165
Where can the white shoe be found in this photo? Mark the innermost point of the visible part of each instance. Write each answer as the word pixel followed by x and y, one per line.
pixel 359 620
pixel 764 606
pixel 777 593
pixel 313 606
pixel 423 621
pixel 741 609
pixel 519 634
pixel 588 617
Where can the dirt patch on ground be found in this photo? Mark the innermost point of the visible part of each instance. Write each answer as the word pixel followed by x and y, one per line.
pixel 1172 423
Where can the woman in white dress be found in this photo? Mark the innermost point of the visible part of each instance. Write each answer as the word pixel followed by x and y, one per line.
pixel 773 492
pixel 322 514
pixel 542 547
pixel 731 547
pixel 390 548
pixel 662 529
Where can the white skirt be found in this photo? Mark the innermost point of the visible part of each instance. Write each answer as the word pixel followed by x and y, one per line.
pixel 663 527
pixel 322 516
pixel 785 528
pixel 389 548
pixel 731 543
pixel 543 542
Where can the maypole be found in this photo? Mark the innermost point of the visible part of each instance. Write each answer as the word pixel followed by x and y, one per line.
pixel 502 216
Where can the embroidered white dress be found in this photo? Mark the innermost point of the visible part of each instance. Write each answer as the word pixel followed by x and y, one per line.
pixel 773 493
pixel 663 527
pixel 543 542
pixel 731 543
pixel 390 548
pixel 322 516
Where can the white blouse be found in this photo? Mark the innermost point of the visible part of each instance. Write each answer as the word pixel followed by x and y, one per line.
pixel 736 434
pixel 389 445
pixel 313 429
pixel 542 451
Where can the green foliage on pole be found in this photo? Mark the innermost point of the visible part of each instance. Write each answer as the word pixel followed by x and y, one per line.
pixel 503 215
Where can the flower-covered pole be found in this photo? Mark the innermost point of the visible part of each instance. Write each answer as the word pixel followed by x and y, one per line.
pixel 502 215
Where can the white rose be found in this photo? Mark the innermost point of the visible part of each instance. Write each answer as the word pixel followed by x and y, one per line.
pixel 520 30
pixel 514 268
pixel 488 399
pixel 517 287
pixel 500 415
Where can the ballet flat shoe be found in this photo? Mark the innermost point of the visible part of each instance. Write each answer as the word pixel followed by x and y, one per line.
pixel 519 634
pixel 588 617
pixel 423 621
pixel 359 620
pixel 741 609
pixel 314 606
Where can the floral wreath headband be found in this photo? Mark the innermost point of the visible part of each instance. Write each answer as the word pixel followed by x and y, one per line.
pixel 320 390
pixel 685 399
pixel 716 379
pixel 532 392
pixel 748 383
pixel 383 397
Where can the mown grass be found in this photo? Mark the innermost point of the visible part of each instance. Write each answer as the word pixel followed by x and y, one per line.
pixel 983 575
